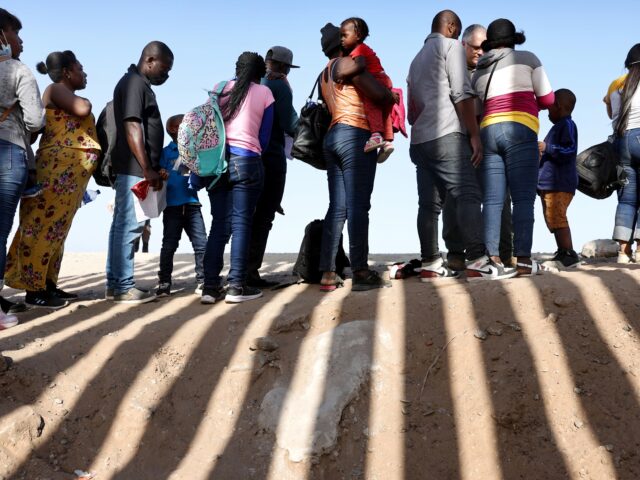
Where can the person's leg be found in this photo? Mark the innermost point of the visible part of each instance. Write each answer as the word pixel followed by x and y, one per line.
pixel 13 177
pixel 171 233
pixel 520 146
pixel 494 188
pixel 219 234
pixel 246 176
pixel 506 232
pixel 337 211
pixel 146 236
pixel 452 235
pixel 429 203
pixel 268 204
pixel 197 232
pixel 125 228
pixel 633 145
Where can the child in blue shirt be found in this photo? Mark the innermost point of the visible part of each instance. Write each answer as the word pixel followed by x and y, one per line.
pixel 182 213
pixel 557 174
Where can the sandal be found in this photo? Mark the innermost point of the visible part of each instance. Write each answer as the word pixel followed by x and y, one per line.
pixel 526 269
pixel 330 287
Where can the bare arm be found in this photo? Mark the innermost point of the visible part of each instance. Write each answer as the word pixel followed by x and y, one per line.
pixel 466 111
pixel 369 86
pixel 64 99
pixel 135 140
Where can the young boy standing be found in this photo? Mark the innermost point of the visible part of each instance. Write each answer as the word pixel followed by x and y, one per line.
pixel 182 213
pixel 557 174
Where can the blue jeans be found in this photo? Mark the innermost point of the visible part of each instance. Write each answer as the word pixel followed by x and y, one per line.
pixel 175 219
pixel 511 159
pixel 124 230
pixel 13 177
pixel 233 203
pixel 626 228
pixel 444 170
pixel 350 174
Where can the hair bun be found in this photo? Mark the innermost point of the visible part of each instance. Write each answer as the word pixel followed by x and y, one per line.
pixel 42 68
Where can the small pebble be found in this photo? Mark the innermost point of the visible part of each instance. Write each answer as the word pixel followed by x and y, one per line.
pixel 481 334
pixel 58 401
pixel 578 390
pixel 564 301
pixel 515 327
pixel 494 331
pixel 609 447
pixel 627 328
pixel 552 317
pixel 578 423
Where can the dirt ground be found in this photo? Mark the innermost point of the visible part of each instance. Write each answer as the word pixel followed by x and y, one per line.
pixel 528 378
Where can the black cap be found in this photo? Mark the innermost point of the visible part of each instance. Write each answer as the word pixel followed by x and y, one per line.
pixel 330 39
pixel 633 56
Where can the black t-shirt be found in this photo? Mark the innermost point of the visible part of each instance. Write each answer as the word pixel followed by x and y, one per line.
pixel 133 99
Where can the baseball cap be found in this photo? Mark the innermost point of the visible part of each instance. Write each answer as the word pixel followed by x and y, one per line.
pixel 282 55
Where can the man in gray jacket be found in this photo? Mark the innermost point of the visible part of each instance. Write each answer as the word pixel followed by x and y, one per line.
pixel 445 147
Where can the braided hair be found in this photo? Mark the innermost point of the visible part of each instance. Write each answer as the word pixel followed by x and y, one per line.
pixel 250 68
pixel 57 62
pixel 359 26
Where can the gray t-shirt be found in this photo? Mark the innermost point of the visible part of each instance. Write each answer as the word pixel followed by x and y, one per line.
pixel 438 79
pixel 17 84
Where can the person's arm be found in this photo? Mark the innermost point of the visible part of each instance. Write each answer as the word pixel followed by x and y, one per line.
pixel 284 111
pixel 135 140
pixel 29 100
pixel 358 66
pixel 541 85
pixel 264 135
pixel 68 101
pixel 466 111
pixel 365 82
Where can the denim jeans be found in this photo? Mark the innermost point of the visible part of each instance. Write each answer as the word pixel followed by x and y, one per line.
pixel 511 159
pixel 233 203
pixel 13 177
pixel 350 175
pixel 275 174
pixel 444 170
pixel 124 230
pixel 626 227
pixel 175 219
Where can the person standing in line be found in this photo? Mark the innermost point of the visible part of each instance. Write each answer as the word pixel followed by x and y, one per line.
pixel 441 112
pixel 472 39
pixel 140 135
pixel 513 87
pixel 247 109
pixel 21 114
pixel 183 212
pixel 279 62
pixel 66 158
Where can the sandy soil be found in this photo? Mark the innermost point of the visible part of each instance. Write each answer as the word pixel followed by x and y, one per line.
pixel 529 378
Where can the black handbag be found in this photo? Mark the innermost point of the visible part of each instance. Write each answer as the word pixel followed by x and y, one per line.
pixel 312 127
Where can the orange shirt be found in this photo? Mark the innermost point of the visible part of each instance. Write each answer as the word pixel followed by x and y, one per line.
pixel 344 102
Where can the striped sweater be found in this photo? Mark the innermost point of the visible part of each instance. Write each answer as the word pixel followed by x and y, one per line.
pixel 518 90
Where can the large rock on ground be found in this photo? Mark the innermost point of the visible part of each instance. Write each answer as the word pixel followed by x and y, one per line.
pixel 600 248
pixel 333 367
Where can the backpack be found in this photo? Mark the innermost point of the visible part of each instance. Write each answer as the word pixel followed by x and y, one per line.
pixel 599 171
pixel 201 139
pixel 307 266
pixel 107 134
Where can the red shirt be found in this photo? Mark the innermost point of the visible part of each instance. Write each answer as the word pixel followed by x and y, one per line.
pixel 371 59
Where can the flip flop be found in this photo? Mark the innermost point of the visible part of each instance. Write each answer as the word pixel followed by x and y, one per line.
pixel 337 283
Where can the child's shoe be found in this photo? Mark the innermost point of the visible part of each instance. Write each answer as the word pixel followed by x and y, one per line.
pixel 385 151
pixel 32 191
pixel 376 141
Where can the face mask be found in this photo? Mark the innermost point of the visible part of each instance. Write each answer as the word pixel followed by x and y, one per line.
pixel 158 79
pixel 5 48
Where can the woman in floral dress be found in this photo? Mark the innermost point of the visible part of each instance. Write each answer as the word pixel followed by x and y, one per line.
pixel 65 160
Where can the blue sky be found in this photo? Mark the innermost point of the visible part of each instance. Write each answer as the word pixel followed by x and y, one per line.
pixel 581 45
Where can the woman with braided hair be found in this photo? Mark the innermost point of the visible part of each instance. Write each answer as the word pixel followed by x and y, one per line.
pixel 247 108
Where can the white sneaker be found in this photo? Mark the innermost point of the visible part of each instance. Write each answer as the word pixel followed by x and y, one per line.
pixel 435 271
pixel 7 321
pixel 484 268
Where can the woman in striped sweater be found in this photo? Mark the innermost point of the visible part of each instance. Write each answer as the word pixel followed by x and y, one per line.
pixel 513 88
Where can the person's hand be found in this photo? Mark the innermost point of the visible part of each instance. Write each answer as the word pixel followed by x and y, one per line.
pixel 542 147
pixel 396 96
pixel 476 148
pixel 164 174
pixel 154 178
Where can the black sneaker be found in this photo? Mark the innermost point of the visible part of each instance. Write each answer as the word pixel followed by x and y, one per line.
pixel 10 307
pixel 242 294
pixel 163 290
pixel 58 292
pixel 568 258
pixel 134 296
pixel 211 295
pixel 371 281
pixel 44 299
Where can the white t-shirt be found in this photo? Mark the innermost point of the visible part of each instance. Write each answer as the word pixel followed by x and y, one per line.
pixel 614 98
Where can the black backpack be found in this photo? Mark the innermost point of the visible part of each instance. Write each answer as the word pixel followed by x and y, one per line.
pixel 599 171
pixel 307 266
pixel 107 133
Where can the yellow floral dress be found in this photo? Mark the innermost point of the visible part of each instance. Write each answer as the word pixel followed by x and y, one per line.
pixel 66 158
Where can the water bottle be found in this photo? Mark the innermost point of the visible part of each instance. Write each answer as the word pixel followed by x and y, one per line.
pixel 89 196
